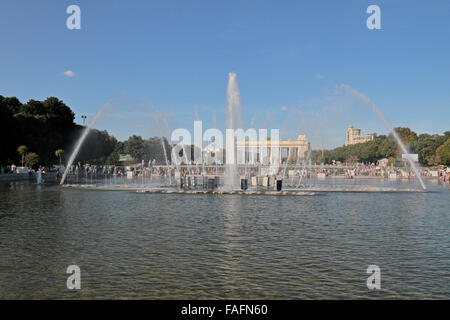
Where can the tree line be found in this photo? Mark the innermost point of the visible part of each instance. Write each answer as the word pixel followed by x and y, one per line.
pixel 432 149
pixel 140 149
pixel 44 133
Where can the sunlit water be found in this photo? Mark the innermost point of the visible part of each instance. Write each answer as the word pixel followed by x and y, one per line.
pixel 177 246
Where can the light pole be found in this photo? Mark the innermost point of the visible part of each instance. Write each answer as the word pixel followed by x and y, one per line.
pixel 84 118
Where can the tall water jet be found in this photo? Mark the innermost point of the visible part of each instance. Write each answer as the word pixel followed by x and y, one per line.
pixel 380 115
pixel 158 117
pixel 234 118
pixel 81 140
pixel 234 121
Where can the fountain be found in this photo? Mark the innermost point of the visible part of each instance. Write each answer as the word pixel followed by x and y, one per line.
pixel 258 178
pixel 234 121
pixel 82 138
pixel 39 176
pixel 380 115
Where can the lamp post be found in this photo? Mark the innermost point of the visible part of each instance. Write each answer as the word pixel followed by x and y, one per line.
pixel 84 118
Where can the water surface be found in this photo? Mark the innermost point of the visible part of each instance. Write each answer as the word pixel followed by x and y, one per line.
pixel 175 246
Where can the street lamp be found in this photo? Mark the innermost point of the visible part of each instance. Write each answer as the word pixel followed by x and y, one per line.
pixel 84 118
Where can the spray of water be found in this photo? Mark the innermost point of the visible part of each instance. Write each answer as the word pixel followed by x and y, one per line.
pixel 158 118
pixel 380 115
pixel 234 121
pixel 82 138
pixel 234 118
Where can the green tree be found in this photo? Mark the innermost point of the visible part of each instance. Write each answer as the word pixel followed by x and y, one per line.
pixel 153 150
pixel 425 146
pixel 97 147
pixel 134 146
pixel 59 154
pixel 22 150
pixel 33 108
pixel 58 115
pixel 406 135
pixel 352 159
pixel 443 153
pixel 45 126
pixel 12 103
pixel 8 132
pixel 113 158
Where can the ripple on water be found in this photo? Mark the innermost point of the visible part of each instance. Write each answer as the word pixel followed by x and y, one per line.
pixel 179 246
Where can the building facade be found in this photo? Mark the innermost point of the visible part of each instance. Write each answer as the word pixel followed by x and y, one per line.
pixel 281 151
pixel 354 136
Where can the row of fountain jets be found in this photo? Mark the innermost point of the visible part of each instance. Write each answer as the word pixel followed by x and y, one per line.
pixel 234 121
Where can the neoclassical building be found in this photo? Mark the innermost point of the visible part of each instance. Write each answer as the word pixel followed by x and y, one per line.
pixel 281 150
pixel 354 136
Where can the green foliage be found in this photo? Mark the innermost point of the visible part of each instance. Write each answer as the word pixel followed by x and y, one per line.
pixel 96 148
pixel 424 145
pixel 153 150
pixel 405 134
pixel 44 126
pixel 134 146
pixel 443 153
pixel 140 149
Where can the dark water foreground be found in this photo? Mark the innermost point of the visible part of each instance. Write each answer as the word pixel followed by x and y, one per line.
pixel 176 246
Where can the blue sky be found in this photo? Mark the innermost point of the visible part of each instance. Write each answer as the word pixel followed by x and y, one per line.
pixel 289 57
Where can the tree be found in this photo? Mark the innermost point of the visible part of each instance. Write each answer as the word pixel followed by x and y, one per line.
pixel 12 103
pixel 33 108
pixel 406 135
pixel 352 159
pixel 97 147
pixel 31 159
pixel 8 132
pixel 58 115
pixel 426 145
pixel 154 150
pixel 22 150
pixel 59 154
pixel 45 126
pixel 443 153
pixel 134 146
pixel 113 158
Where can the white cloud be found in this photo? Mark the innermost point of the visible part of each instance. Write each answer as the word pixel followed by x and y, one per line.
pixel 284 108
pixel 319 76
pixel 69 73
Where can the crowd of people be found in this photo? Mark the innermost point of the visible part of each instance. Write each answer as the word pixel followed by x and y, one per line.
pixel 358 170
pixel 363 170
pixel 14 170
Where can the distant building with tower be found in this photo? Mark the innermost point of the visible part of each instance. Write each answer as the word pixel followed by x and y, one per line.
pixel 354 136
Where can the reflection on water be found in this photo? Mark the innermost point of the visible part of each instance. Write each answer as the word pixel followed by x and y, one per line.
pixel 131 245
